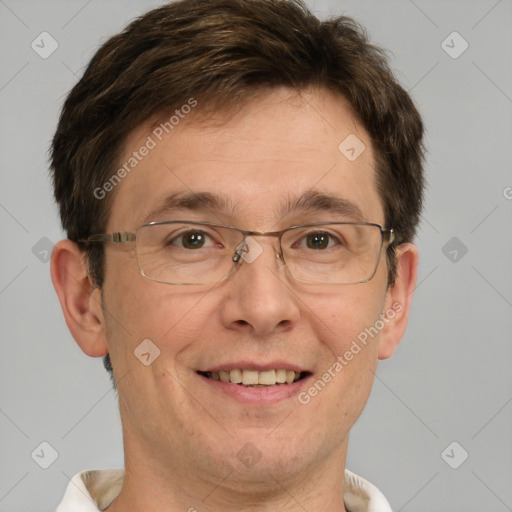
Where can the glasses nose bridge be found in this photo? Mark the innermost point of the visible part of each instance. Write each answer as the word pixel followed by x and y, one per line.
pixel 266 234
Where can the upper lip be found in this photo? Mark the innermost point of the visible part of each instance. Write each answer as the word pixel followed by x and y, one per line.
pixel 258 367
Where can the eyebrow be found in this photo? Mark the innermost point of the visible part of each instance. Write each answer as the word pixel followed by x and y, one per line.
pixel 315 201
pixel 311 201
pixel 192 201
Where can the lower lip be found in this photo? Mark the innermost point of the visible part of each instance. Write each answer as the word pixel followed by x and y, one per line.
pixel 263 396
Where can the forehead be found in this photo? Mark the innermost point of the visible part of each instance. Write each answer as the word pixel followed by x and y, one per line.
pixel 282 154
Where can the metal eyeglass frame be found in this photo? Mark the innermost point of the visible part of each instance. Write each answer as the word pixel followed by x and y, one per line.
pixel 387 236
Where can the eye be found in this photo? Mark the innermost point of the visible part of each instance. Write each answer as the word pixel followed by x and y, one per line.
pixel 191 240
pixel 319 240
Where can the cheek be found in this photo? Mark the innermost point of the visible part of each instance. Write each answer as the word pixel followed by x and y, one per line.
pixel 345 328
pixel 341 389
pixel 137 310
pixel 342 318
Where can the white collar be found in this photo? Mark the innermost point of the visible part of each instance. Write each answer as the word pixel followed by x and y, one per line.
pixel 94 491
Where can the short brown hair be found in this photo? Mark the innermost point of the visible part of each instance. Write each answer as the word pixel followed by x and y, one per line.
pixel 222 53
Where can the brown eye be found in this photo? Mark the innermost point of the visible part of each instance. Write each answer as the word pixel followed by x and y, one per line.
pixel 193 240
pixel 318 240
pixel 190 240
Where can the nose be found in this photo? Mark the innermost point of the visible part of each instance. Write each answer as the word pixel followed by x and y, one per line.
pixel 259 298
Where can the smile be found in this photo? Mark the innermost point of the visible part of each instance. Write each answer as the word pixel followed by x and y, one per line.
pixel 254 378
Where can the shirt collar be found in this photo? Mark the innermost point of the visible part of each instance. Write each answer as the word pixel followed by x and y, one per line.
pixel 94 491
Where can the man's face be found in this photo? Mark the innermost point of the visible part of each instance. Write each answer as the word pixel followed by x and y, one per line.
pixel 278 148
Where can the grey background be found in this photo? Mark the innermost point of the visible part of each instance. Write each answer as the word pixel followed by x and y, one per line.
pixel 450 379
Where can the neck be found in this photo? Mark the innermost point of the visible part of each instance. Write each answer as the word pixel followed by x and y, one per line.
pixel 152 484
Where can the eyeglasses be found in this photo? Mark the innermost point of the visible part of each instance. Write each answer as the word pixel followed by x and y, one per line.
pixel 187 252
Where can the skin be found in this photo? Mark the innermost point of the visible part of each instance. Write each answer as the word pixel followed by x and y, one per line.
pixel 181 436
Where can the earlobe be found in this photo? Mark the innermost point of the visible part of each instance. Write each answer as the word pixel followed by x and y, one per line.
pixel 398 300
pixel 79 300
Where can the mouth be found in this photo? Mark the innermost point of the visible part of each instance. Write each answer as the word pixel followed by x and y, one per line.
pixel 256 379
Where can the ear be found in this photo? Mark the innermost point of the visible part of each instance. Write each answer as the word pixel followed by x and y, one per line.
pixel 398 300
pixel 79 300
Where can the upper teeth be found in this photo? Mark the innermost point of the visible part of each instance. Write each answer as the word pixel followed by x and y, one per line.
pixel 252 377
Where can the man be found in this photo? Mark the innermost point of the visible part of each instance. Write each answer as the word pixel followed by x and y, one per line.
pixel 240 184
